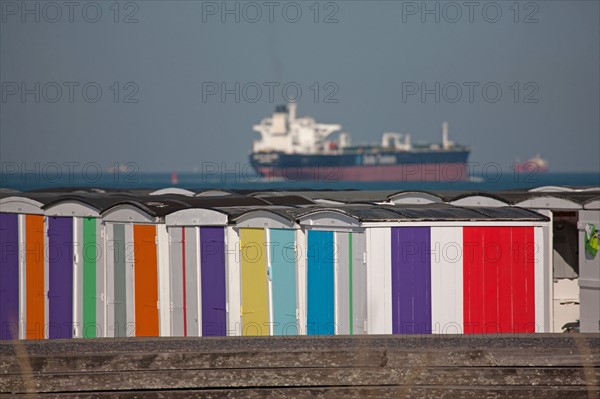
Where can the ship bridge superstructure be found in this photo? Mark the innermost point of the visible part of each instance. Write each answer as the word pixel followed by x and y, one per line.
pixel 284 132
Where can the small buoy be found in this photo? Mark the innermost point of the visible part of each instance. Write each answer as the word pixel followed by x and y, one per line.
pixel 174 179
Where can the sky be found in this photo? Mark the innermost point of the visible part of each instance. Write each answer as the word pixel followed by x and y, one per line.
pixel 176 86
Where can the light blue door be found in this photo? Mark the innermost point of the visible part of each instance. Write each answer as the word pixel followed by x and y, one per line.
pixel 283 280
pixel 320 295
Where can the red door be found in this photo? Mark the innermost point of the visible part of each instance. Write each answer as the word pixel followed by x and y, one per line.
pixel 499 279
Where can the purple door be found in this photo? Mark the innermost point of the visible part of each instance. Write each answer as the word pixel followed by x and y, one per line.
pixel 212 269
pixel 60 271
pixel 9 276
pixel 411 280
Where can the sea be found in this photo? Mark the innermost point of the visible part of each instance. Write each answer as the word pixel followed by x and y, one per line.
pixel 123 180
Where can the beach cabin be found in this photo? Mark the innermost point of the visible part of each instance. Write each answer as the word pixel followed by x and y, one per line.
pixel 23 266
pixel 137 271
pixel 197 272
pixel 270 281
pixel 76 297
pixel 336 271
pixel 443 269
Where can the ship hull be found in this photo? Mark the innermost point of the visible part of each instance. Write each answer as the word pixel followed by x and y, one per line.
pixel 431 166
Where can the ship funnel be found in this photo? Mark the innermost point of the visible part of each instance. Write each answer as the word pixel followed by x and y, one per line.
pixel 292 111
pixel 445 141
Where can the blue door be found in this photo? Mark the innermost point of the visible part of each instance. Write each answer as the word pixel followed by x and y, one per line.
pixel 320 295
pixel 283 280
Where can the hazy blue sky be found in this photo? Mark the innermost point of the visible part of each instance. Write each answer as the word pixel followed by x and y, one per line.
pixel 544 58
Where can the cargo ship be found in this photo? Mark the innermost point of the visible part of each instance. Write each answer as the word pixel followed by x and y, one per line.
pixel 299 148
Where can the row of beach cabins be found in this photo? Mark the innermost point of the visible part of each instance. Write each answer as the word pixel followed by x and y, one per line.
pixel 87 263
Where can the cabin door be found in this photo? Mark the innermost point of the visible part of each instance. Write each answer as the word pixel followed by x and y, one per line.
pixel 60 274
pixel 255 295
pixel 283 280
pixel 9 276
pixel 320 281
pixel 411 280
pixel 213 274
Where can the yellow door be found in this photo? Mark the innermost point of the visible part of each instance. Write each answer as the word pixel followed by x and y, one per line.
pixel 255 294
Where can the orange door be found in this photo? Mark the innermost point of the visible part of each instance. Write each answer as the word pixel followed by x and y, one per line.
pixel 34 271
pixel 146 280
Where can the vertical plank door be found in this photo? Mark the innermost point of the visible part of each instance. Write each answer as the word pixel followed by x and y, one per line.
pixel 255 295
pixel 283 279
pixel 60 270
pixel 34 275
pixel 213 286
pixel 89 278
pixel 320 283
pixel 9 276
pixel 146 280
pixel 411 280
